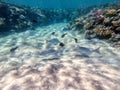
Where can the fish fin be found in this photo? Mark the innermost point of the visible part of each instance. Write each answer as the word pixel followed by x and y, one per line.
pixel 97 50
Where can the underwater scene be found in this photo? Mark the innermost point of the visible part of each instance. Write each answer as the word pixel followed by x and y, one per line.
pixel 59 44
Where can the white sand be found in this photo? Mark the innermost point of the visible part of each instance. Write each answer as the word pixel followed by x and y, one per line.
pixel 33 67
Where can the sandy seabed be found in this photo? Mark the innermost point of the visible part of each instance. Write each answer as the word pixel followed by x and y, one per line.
pixel 39 63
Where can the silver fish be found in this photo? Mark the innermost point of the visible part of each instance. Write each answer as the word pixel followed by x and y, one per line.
pixel 86 51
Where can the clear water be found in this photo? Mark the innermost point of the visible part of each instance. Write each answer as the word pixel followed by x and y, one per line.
pixel 60 3
pixel 40 63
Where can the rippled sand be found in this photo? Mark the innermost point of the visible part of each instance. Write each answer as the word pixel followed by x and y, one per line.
pixel 74 74
pixel 38 64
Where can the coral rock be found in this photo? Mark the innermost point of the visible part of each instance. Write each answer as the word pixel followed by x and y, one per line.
pixel 118 29
pixel 118 11
pixel 103 33
pixel 106 21
pixel 88 25
pixel 111 12
pixel 2 21
pixel 116 23
pixel 13 17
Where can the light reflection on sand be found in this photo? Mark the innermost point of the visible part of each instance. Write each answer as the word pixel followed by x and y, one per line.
pixel 66 74
pixel 72 67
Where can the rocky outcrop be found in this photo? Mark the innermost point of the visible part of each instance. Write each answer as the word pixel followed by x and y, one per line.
pixel 15 18
pixel 102 23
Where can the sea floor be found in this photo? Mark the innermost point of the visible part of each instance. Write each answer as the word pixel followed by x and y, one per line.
pixel 52 58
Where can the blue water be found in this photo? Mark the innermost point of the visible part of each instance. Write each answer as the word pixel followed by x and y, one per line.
pixel 60 3
pixel 51 57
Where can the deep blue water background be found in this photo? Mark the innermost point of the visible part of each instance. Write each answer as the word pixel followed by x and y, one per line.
pixel 60 3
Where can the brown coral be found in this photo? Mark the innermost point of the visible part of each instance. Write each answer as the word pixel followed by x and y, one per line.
pixel 103 32
pixel 111 12
pixel 106 21
pixel 116 23
pixel 105 25
pixel 88 25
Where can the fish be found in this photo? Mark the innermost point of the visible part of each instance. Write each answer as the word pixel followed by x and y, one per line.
pixel 13 49
pixel 34 21
pixel 87 51
pixel 61 44
pixel 50 59
pixel 49 51
pixel 63 35
pixel 54 41
pixel 76 40
pixel 82 55
pixel 53 33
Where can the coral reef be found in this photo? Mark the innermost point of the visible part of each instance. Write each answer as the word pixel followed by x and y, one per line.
pixel 17 18
pixel 14 17
pixel 102 23
pixel 111 12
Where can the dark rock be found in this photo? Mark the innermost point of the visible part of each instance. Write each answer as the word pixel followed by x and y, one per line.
pixel 2 22
pixel 117 29
pixel 107 21
pixel 116 23
pixel 16 18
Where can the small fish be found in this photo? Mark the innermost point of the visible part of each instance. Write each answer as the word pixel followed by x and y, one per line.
pixel 63 35
pixel 13 49
pixel 82 55
pixel 62 44
pixel 50 51
pixel 34 21
pixel 53 33
pixel 87 50
pixel 97 50
pixel 50 59
pixel 76 40
pixel 54 41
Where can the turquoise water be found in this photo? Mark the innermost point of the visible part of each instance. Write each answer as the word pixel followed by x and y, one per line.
pixel 60 3
pixel 51 57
